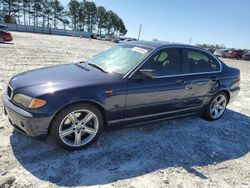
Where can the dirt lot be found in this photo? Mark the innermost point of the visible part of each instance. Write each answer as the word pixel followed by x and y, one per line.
pixel 187 152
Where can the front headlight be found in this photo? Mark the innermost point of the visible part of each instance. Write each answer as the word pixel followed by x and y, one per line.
pixel 27 101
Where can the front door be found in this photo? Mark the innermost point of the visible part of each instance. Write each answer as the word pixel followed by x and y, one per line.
pixel 165 93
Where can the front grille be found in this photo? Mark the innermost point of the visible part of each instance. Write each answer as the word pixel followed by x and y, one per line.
pixel 9 92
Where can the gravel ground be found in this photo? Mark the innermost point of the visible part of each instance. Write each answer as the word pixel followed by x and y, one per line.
pixel 186 152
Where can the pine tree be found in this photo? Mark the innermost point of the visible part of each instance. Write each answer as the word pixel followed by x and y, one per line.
pixel 73 13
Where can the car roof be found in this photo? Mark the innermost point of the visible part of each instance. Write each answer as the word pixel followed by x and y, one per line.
pixel 160 44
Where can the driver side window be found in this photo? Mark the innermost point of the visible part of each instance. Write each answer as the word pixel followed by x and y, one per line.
pixel 164 63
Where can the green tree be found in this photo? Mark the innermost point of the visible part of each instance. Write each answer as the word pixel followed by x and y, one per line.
pixel 65 22
pixel 90 13
pixel 29 10
pixel 18 10
pixel 73 13
pixel 9 10
pixel 46 13
pixel 82 16
pixel 79 15
pixel 1 11
pixel 121 28
pixel 112 23
pixel 36 11
pixel 25 5
pixel 108 22
pixel 212 46
pixel 57 12
pixel 100 19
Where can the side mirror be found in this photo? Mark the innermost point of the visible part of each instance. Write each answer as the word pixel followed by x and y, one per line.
pixel 148 73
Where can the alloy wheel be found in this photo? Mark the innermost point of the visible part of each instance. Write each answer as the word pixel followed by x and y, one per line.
pixel 78 128
pixel 218 106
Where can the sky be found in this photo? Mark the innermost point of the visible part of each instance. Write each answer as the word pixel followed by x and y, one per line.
pixel 203 21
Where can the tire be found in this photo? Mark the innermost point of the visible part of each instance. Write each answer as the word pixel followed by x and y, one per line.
pixel 2 40
pixel 77 127
pixel 210 113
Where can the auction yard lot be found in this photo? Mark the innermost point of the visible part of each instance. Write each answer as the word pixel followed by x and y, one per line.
pixel 186 152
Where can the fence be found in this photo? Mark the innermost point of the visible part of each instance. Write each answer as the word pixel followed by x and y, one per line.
pixel 32 29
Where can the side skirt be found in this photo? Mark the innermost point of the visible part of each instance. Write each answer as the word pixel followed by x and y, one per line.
pixel 161 119
pixel 126 124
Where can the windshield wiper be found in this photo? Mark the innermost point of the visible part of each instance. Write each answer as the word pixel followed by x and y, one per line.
pixel 97 67
pixel 84 65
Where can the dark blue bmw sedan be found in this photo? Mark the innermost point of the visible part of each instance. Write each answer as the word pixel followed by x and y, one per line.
pixel 128 84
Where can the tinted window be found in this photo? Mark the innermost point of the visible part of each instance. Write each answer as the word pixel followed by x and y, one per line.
pixel 166 62
pixel 200 62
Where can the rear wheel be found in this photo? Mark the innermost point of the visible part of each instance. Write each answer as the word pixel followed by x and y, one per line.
pixel 77 126
pixel 216 107
pixel 2 40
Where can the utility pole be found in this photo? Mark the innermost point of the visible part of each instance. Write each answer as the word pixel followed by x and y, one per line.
pixel 190 40
pixel 139 35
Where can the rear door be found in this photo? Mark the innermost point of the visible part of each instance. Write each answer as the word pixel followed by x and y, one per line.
pixel 202 71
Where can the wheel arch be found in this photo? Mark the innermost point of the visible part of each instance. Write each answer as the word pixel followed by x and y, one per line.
pixel 90 102
pixel 226 92
pixel 3 38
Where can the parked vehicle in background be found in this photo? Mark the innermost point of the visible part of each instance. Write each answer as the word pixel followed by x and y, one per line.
pixel 108 38
pixel 3 27
pixel 116 40
pixel 131 39
pixel 236 54
pixel 94 36
pixel 5 36
pixel 221 53
pixel 128 84
pixel 128 40
pixel 122 39
pixel 103 38
pixel 246 56
pixel 210 50
pixel 99 37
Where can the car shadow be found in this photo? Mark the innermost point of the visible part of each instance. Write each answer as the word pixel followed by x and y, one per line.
pixel 123 154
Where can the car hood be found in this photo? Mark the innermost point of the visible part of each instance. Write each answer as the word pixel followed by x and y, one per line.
pixel 60 74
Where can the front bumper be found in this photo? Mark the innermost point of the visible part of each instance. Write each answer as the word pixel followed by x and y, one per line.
pixel 32 124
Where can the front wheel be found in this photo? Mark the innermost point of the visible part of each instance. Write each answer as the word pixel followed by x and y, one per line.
pixel 216 107
pixel 77 126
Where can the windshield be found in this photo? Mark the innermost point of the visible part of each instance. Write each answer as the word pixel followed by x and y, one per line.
pixel 119 59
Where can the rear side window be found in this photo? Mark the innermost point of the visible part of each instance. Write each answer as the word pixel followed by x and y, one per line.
pixel 166 62
pixel 199 62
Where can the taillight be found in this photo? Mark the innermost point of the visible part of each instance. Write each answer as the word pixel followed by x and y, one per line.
pixel 237 82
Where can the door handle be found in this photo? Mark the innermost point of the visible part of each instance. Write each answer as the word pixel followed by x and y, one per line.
pixel 189 86
pixel 180 81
